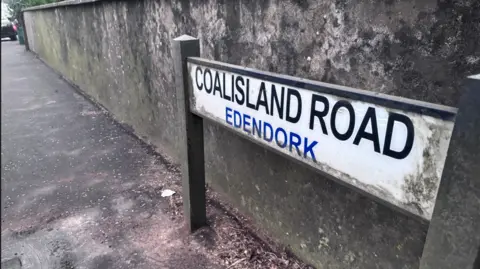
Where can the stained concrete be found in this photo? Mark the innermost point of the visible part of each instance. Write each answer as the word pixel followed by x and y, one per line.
pixel 12 263
pixel 78 191
pixel 453 240
pixel 119 52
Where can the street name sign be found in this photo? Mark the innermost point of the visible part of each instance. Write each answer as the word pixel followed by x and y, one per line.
pixel 388 147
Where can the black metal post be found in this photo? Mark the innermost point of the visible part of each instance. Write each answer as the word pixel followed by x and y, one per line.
pixel 191 136
pixel 453 239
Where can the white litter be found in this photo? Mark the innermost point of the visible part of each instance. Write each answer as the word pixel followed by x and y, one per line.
pixel 167 193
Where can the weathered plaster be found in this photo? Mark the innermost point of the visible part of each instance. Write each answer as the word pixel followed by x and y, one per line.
pixel 118 52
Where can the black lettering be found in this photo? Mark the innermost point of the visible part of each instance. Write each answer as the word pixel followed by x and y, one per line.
pixel 240 91
pixel 225 96
pixel 371 117
pixel 290 94
pixel 199 86
pixel 392 118
pixel 208 89
pixel 319 114
pixel 249 105
pixel 351 122
pixel 217 87
pixel 278 103
pixel 232 89
pixel 262 98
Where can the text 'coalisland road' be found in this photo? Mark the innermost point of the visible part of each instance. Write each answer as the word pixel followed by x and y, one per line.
pixel 369 146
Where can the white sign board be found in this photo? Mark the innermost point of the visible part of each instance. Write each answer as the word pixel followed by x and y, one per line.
pixel 389 147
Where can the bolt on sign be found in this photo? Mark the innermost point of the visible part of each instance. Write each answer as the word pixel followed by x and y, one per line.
pixel 389 147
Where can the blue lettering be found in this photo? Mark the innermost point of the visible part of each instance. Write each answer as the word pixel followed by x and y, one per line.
pixel 237 116
pixel 265 125
pixel 257 126
pixel 253 126
pixel 246 123
pixel 308 148
pixel 228 115
pixel 295 141
pixel 279 142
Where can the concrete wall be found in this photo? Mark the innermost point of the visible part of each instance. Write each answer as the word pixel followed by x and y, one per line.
pixel 119 52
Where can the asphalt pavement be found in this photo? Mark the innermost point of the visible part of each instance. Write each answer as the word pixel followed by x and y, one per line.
pixel 78 191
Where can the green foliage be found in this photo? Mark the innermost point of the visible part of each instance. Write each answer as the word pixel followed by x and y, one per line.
pixel 17 5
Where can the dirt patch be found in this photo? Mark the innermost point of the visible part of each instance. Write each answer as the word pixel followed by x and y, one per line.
pixel 242 245
pixel 230 237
